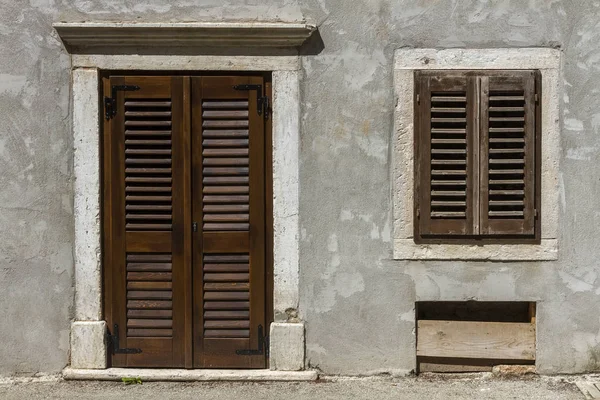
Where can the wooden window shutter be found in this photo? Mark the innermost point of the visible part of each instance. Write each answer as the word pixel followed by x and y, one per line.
pixel 508 169
pixel 229 206
pixel 445 111
pixel 144 220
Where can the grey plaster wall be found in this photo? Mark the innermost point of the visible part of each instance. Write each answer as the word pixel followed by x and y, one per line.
pixel 357 302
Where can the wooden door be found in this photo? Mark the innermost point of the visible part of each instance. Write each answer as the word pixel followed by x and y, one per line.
pixel 229 210
pixel 145 220
pixel 179 150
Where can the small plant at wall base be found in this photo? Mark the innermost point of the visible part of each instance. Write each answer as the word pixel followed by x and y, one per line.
pixel 132 381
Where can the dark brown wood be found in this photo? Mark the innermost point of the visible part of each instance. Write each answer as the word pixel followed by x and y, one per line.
pixel 508 153
pixel 187 224
pixel 149 276
pixel 107 212
pixel 269 286
pixel 444 131
pixel 187 300
pixel 144 221
pixel 116 242
pixel 257 228
pixel 197 216
pixel 485 187
pixel 228 206
pixel 538 156
pixel 234 242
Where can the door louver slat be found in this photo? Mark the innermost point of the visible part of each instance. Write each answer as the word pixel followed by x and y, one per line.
pixel 226 295
pixel 148 176
pixel 149 295
pixel 225 189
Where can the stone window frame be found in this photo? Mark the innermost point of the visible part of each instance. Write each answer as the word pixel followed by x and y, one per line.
pixel 88 347
pixel 406 62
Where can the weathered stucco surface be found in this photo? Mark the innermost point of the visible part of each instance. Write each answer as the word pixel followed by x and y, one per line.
pixel 356 301
pixel 407 61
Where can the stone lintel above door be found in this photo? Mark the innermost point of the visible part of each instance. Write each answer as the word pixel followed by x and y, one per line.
pixel 189 34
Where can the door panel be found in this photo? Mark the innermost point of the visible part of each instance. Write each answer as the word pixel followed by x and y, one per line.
pixel 177 150
pixel 229 207
pixel 144 221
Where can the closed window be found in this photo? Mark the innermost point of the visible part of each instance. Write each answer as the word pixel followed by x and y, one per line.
pixel 477 164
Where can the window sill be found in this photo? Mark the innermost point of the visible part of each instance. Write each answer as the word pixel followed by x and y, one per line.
pixel 407 249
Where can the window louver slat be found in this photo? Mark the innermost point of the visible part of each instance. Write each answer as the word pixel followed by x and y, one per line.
pixel 448 155
pixel 507 164
pixel 477 154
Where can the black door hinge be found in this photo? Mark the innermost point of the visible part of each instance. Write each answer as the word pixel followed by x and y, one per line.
pixel 262 102
pixel 110 103
pixel 266 106
pixel 113 341
pixel 263 345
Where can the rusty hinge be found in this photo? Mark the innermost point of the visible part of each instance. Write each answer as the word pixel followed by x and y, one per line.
pixel 262 102
pixel 263 345
pixel 537 98
pixel 113 341
pixel 418 99
pixel 110 103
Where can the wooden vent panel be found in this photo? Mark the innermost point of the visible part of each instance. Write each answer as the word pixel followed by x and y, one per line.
pixel 149 295
pixel 148 173
pixel 226 295
pixel 225 165
pixel 506 167
pixel 448 155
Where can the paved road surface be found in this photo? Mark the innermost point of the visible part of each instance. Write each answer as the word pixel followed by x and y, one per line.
pixel 434 387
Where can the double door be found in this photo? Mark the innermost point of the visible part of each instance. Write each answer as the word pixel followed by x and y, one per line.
pixel 185 220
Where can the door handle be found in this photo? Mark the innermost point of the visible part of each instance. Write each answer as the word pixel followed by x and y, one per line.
pixel 194 226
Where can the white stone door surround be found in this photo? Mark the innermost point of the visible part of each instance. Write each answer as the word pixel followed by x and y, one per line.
pixel 88 330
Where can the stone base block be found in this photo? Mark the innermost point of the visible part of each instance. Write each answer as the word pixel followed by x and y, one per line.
pixel 286 346
pixel 88 344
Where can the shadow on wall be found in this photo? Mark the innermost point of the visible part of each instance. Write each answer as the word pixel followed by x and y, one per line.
pixel 313 46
